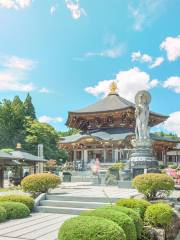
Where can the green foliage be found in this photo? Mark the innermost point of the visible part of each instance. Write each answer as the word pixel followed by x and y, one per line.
pixel 7 150
pixel 123 221
pixel 3 214
pixel 116 166
pixel 139 205
pixel 168 135
pixel 132 214
pixel 154 185
pixel 27 200
pixel 159 215
pixel 90 228
pixel 15 209
pixel 145 235
pixel 71 131
pixel 29 107
pixel 45 134
pixel 18 124
pixel 40 183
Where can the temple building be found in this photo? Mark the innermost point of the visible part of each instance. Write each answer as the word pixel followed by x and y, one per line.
pixel 106 129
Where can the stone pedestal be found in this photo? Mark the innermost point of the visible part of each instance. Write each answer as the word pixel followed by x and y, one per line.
pixel 142 157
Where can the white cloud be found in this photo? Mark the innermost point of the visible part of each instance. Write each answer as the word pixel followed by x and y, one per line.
pixel 44 90
pixel 144 12
pixel 53 10
pixel 13 74
pixel 75 9
pixel 173 83
pixel 15 62
pixel 47 119
pixel 145 58
pixel 172 47
pixel 137 56
pixel 173 123
pixel 157 62
pixel 15 4
pixel 129 83
pixel 113 52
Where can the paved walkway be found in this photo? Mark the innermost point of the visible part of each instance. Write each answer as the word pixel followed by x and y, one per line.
pixel 45 226
pixel 39 226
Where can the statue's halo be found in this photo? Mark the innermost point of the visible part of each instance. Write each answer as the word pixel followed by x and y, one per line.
pixel 143 94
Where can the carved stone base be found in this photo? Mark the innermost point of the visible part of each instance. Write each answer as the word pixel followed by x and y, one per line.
pixel 142 155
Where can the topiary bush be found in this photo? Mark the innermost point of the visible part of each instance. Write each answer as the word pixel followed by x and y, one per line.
pixel 3 214
pixel 132 214
pixel 123 221
pixel 27 200
pixel 90 228
pixel 139 205
pixel 154 185
pixel 15 209
pixel 40 183
pixel 159 215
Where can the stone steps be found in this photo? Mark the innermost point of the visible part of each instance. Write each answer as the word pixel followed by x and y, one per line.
pixel 72 205
pixel 60 197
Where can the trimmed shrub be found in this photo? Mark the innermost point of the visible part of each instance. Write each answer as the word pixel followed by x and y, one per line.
pixel 15 209
pixel 159 215
pixel 90 228
pixel 132 214
pixel 3 214
pixel 123 221
pixel 139 205
pixel 40 182
pixel 154 185
pixel 27 200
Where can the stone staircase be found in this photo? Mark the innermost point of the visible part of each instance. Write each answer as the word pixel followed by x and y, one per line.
pixel 73 205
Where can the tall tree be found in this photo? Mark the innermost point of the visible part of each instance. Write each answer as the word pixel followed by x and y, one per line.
pixel 42 133
pixel 12 118
pixel 29 107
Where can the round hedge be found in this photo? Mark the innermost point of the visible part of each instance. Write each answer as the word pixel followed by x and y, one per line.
pixel 154 185
pixel 3 214
pixel 159 215
pixel 27 200
pixel 132 214
pixel 40 182
pixel 90 228
pixel 139 205
pixel 15 209
pixel 123 221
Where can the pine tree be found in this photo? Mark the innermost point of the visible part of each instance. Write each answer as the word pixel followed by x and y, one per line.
pixel 29 107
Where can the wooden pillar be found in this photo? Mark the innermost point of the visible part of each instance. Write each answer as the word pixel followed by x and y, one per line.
pixel 85 153
pixel 105 155
pixel 1 176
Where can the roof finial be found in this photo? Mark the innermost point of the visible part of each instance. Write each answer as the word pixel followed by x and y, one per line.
pixel 113 88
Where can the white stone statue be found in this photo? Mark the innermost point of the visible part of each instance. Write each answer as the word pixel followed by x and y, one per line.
pixel 142 100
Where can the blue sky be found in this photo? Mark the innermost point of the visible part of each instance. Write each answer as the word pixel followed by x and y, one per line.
pixel 66 52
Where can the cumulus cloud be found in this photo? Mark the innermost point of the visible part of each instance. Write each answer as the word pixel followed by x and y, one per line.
pixel 15 4
pixel 173 123
pixel 75 8
pixel 172 47
pixel 157 62
pixel 145 58
pixel 47 119
pixel 145 12
pixel 13 74
pixel 129 83
pixel 173 83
